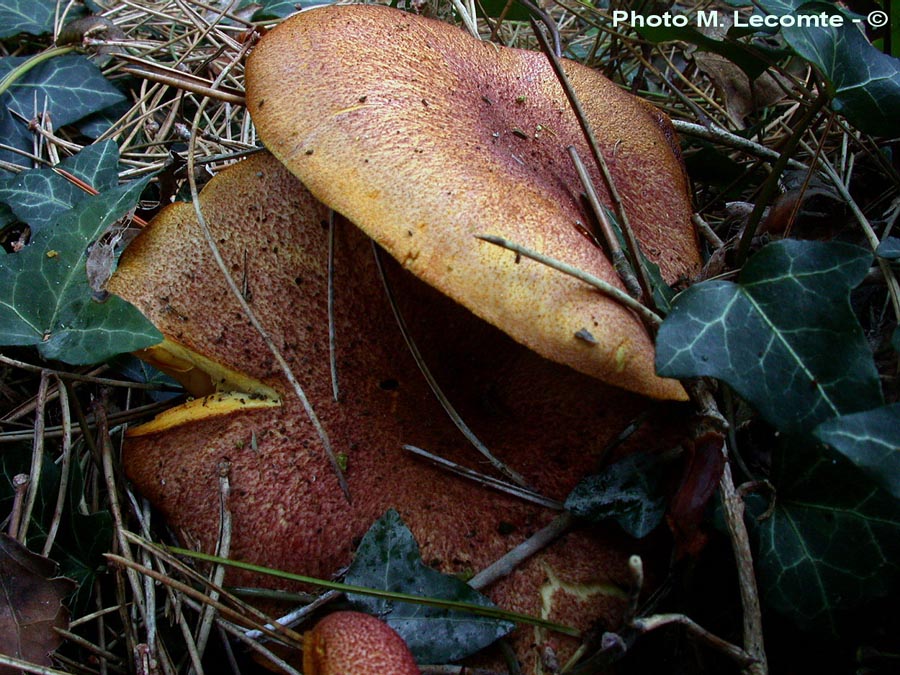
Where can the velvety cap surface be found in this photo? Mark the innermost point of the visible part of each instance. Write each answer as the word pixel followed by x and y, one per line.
pixel 425 137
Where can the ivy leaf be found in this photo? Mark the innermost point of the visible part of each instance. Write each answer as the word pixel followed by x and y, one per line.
pixel 15 134
pixel 71 86
pixel 889 248
pixel 871 440
pixel 45 297
pixel 626 492
pixel 30 16
pixel 784 337
pixel 864 81
pixel 388 558
pixel 278 9
pixel 39 196
pixel 831 543
pixel 510 12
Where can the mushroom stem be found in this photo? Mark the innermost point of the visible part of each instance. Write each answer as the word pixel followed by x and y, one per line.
pixel 650 318
pixel 624 222
pixel 433 385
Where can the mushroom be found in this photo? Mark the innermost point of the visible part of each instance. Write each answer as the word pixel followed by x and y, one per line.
pixel 425 137
pixel 549 422
pixel 353 643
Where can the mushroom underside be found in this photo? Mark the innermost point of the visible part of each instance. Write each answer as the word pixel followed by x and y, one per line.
pixel 546 421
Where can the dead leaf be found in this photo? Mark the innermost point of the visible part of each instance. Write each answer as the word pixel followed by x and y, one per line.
pixel 31 605
pixel 742 97
pixel 704 467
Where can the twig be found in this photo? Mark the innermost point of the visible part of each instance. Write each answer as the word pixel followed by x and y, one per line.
pixel 868 231
pixel 707 232
pixel 253 644
pixel 78 377
pixel 223 550
pixel 185 82
pixel 597 154
pixel 37 457
pixel 252 616
pixel 117 417
pixel 534 544
pixel 294 617
pixel 651 320
pixel 433 384
pixel 63 470
pixel 332 337
pixel 27 667
pixel 733 511
pixel 109 475
pixel 619 259
pixel 20 489
pixel 651 623
pixel 487 481
pixel 181 587
pixel 719 135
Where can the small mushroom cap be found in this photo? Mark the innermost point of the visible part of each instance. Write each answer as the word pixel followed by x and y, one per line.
pixel 548 422
pixel 353 643
pixel 425 137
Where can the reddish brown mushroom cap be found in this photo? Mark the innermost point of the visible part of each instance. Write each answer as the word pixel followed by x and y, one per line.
pixel 353 643
pixel 425 137
pixel 546 421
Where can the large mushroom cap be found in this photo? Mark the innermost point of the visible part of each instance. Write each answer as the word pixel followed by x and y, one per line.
pixel 425 137
pixel 544 420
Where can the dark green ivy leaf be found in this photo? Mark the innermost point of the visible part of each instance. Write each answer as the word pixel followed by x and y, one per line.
pixel 15 134
pixel 388 558
pixel 39 196
pixel 831 543
pixel 71 87
pixel 863 81
pixel 889 248
pixel 30 16
pixel 871 440
pixel 45 297
pixel 784 337
pixel 514 11
pixel 626 492
pixel 278 9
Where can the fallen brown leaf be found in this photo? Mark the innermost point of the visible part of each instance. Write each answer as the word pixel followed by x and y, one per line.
pixel 30 606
